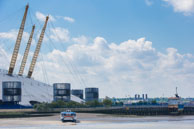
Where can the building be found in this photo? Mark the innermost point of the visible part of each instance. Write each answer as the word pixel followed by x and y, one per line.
pixel 135 96
pixel 62 91
pixel 78 93
pixel 146 96
pixel 31 90
pixel 91 94
pixel 23 89
pixel 138 96
pixel 11 91
pixel 143 96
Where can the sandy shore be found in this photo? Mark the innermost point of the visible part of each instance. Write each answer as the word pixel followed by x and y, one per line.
pixel 86 118
pixel 49 120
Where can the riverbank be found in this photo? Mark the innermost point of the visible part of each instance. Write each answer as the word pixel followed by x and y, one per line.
pixel 20 113
pixel 130 110
pixel 99 121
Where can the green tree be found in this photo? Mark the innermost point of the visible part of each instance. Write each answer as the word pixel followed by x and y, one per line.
pixel 43 107
pixel 154 102
pixel 94 103
pixel 107 102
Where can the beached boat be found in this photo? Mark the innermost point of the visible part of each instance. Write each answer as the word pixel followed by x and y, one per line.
pixel 68 116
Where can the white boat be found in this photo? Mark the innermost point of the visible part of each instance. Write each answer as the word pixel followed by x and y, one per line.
pixel 68 116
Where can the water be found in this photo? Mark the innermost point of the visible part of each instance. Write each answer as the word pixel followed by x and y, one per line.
pixel 150 125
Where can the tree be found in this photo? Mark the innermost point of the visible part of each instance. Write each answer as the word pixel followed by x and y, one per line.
pixel 107 102
pixel 154 102
pixel 94 103
pixel 43 107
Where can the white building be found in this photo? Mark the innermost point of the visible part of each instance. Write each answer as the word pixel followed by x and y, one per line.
pixel 31 90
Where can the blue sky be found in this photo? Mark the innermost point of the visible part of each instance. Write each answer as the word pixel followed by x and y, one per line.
pixel 138 45
pixel 116 20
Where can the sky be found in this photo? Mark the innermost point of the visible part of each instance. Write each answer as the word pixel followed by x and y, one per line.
pixel 123 47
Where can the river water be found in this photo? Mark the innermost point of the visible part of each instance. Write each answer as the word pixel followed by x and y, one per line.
pixel 102 122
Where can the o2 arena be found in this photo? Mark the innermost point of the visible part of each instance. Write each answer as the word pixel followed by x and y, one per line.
pixel 24 90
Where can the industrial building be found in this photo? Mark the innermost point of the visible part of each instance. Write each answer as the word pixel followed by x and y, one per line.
pixel 91 94
pixel 11 91
pixel 138 97
pixel 62 91
pixel 78 92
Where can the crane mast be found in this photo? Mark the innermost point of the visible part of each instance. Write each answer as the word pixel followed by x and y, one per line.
pixel 35 56
pixel 18 42
pixel 26 52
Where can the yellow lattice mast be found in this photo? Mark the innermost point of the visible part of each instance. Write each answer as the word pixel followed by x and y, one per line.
pixel 35 56
pixel 26 52
pixel 17 44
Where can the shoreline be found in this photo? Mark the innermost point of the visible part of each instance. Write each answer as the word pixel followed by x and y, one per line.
pixel 28 113
pixel 90 119
pixel 34 114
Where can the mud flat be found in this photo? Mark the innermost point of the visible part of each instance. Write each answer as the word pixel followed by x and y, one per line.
pixel 100 121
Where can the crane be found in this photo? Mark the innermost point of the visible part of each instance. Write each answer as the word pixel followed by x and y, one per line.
pixel 36 53
pixel 18 42
pixel 26 52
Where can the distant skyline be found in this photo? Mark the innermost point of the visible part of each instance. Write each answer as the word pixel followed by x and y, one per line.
pixel 123 47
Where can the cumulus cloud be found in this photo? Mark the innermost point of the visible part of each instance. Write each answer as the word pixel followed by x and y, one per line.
pixel 12 35
pixel 69 19
pixel 121 69
pixel 4 56
pixel 183 6
pixel 59 34
pixel 9 35
pixel 41 17
pixel 81 39
pixel 130 67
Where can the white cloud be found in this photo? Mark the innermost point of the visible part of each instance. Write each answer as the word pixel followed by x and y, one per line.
pixel 41 17
pixel 7 41
pixel 5 58
pixel 183 6
pixel 130 67
pixel 59 34
pixel 148 2
pixel 69 19
pixel 81 39
pixel 9 35
pixel 12 35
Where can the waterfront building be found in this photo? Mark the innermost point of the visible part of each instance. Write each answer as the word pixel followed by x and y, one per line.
pixel 91 94
pixel 62 92
pixel 77 92
pixel 11 92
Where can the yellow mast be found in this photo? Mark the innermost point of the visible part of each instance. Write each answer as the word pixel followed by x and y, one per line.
pixel 26 52
pixel 35 56
pixel 17 44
